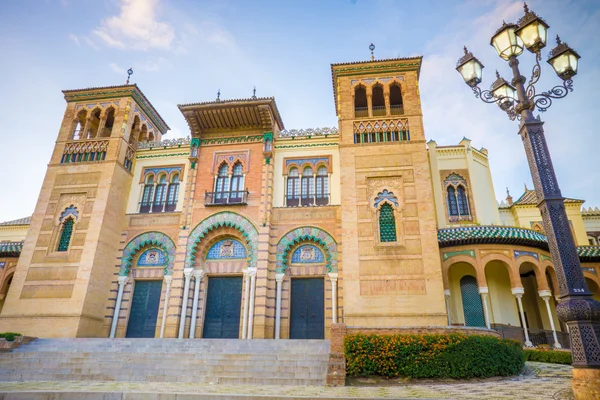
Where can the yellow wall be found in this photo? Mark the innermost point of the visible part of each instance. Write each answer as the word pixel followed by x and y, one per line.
pixel 14 233
pixel 503 306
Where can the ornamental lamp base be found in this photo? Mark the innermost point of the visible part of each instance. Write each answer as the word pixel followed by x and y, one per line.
pixel 586 383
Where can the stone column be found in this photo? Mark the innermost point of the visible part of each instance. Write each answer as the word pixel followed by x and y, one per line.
pixel 168 279
pixel 333 276
pixel 187 273
pixel 447 296
pixel 545 295
pixel 483 291
pixel 279 278
pixel 370 104
pixel 198 275
pixel 252 273
pixel 122 281
pixel 518 293
pixel 246 299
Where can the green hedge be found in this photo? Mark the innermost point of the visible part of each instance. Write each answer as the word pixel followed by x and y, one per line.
pixel 432 356
pixel 548 356
pixel 9 336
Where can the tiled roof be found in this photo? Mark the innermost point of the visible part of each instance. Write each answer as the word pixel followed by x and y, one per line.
pixel 10 249
pixel 20 221
pixel 530 198
pixel 589 253
pixel 491 234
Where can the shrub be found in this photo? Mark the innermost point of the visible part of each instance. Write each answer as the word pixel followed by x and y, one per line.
pixel 432 356
pixel 9 336
pixel 548 356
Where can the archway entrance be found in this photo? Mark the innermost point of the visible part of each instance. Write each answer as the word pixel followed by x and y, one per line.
pixel 223 305
pixel 307 308
pixel 471 300
pixel 144 309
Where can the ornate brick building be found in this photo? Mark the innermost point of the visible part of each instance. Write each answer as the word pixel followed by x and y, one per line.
pixel 249 230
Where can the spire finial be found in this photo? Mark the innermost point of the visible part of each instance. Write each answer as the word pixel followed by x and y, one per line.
pixel 219 95
pixel 466 50
pixel 497 74
pixel 507 192
pixel 372 47
pixel 129 73
pixel 254 93
pixel 525 184
pixel 525 7
pixel 558 39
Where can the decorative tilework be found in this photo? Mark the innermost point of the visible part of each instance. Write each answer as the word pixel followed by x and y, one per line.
pixel 226 249
pixel 307 234
pixel 301 161
pixel 491 234
pixel 546 258
pixel 10 249
pixel 72 210
pixel 2 264
pixel 386 195
pixel 590 270
pixel 470 253
pixel 519 253
pixel 229 219
pixel 152 258
pixel 307 253
pixel 155 239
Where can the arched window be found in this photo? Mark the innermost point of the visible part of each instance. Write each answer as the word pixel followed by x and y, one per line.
pixel 396 105
pixel 360 102
pixel 226 249
pixel 151 137
pixel 322 186
pixel 378 101
pixel 293 188
pixel 143 136
pixel 135 127
pixel 452 203
pixel 472 307
pixel 160 197
pixel 108 123
pixel 387 224
pixel 79 125
pixel 147 195
pixel 222 184
pixel 173 194
pixel 65 234
pixel 237 184
pixel 308 187
pixel 307 254
pixel 463 202
pixel 94 124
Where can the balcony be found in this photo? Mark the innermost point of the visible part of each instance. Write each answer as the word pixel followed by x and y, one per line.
pixel 379 111
pixel 396 109
pixel 157 207
pixel 229 197
pixel 304 201
pixel 361 112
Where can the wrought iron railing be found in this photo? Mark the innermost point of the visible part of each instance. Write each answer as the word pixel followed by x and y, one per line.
pixel 157 207
pixel 361 112
pixel 396 109
pixel 378 111
pixel 298 201
pixel 536 336
pixel 226 197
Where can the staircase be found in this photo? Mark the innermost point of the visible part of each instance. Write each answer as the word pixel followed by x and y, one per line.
pixel 218 361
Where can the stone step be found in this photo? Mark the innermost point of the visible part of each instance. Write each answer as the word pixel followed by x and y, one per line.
pixel 263 362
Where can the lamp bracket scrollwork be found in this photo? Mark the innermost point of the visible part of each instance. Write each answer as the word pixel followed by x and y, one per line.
pixel 506 104
pixel 543 101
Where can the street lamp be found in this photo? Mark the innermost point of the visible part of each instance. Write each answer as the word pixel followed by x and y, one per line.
pixel 577 308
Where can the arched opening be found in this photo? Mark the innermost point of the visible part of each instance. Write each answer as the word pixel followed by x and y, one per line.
pixel 94 124
pixel 503 311
pixel 322 186
pixel 135 127
pixel 173 194
pixel 108 123
pixel 4 289
pixel 396 105
pixel 143 136
pixel 360 102
pixel 308 187
pixel 387 224
pixel 66 232
pixel 293 188
pixel 151 137
pixel 160 196
pixel 237 184
pixel 593 286
pixel 452 202
pixel 378 102
pixel 463 202
pixel 79 125
pixel 147 195
pixel 222 184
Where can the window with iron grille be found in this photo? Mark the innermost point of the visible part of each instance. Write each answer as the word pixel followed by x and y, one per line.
pixel 65 235
pixel 387 224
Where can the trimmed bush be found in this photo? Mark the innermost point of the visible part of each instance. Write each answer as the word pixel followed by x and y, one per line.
pixel 548 356
pixel 9 336
pixel 432 356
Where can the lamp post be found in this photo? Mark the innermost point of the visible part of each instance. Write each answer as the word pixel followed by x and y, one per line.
pixel 577 309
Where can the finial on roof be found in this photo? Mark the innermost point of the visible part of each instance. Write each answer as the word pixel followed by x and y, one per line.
pixel 525 7
pixel 507 192
pixel 558 39
pixel 129 73
pixel 219 95
pixel 509 199
pixel 372 47
pixel 497 74
pixel 254 93
pixel 525 184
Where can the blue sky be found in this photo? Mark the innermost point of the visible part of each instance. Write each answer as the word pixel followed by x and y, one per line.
pixel 185 50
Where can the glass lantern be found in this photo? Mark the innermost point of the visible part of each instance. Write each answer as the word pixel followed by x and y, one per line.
pixel 564 60
pixel 533 31
pixel 506 42
pixel 470 68
pixel 503 91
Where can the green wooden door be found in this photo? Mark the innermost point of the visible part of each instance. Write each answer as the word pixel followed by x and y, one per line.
pixel 307 311
pixel 223 304
pixel 144 309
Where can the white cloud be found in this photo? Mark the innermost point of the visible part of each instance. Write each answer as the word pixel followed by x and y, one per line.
pixel 74 39
pixel 91 43
pixel 136 27
pixel 117 69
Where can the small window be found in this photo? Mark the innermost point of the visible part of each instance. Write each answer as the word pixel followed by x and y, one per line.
pixel 148 194
pixel 387 224
pixel 322 184
pixel 293 188
pixel 173 194
pixel 308 187
pixel 65 235
pixel 452 202
pixel 360 102
pixel 378 102
pixel 396 105
pixel 108 123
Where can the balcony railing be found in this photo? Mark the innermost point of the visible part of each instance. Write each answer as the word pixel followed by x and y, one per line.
pixel 396 109
pixel 361 112
pixel 228 197
pixel 536 336
pixel 379 111
pixel 323 200
pixel 157 207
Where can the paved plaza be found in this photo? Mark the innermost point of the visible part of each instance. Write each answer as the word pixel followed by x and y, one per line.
pixel 538 381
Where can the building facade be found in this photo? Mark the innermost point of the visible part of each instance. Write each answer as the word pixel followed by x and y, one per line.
pixel 248 230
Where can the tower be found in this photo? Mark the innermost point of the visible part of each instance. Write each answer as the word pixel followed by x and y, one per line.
pixel 66 265
pixel 392 270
